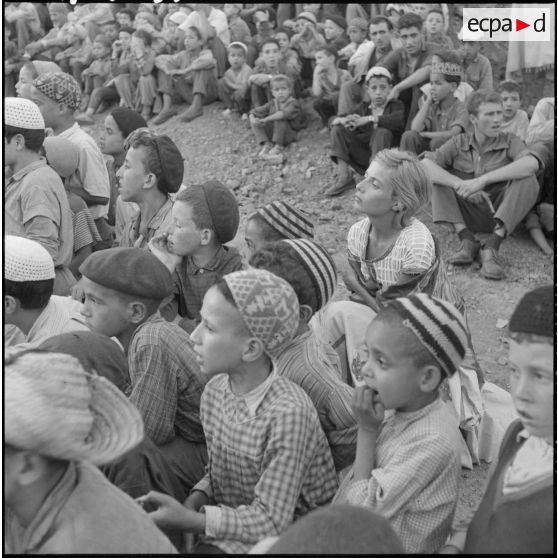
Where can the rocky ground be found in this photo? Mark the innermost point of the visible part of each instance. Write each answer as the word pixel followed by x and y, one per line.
pixel 222 148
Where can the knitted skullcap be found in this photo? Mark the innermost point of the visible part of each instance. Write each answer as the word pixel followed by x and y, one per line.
pixel 223 209
pixel 308 16
pixel 62 155
pixel 359 23
pixel 319 266
pixel 340 21
pixel 239 44
pixel 131 271
pixel 60 87
pixel 22 113
pixel 178 17
pixel 439 326
pixel 128 120
pixel 339 529
pixel 446 69
pixel 378 71
pixel 535 313
pixel 287 220
pixel 56 408
pixel 26 260
pixel 268 306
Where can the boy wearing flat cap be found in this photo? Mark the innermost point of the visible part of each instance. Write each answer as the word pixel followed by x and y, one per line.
pixel 61 421
pixel 36 205
pixel 122 290
pixel 269 459
pixel 205 217
pixel 152 170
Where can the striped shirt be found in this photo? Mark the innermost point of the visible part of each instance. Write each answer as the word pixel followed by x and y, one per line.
pixel 304 362
pixel 413 252
pixel 166 381
pixel 414 482
pixel 264 471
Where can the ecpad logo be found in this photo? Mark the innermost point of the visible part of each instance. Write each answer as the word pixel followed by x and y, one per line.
pixel 507 24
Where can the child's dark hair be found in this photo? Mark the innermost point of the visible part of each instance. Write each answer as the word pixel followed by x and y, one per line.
pixel 509 86
pixel 197 31
pixel 33 138
pixel 127 12
pixel 32 295
pixel 436 11
pixel 329 50
pixel 477 98
pixel 144 36
pixel 195 198
pixel 126 29
pixel 268 41
pixel 450 57
pixel 409 20
pixel 287 32
pixel 280 259
pixel 281 78
pixel 267 232
pixel 376 20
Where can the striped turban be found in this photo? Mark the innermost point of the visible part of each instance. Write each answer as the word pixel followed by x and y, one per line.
pixel 286 220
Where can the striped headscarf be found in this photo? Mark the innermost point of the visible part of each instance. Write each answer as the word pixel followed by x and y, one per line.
pixel 439 326
pixel 287 220
pixel 320 267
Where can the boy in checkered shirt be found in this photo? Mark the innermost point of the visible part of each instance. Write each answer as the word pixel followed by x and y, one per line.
pixel 269 460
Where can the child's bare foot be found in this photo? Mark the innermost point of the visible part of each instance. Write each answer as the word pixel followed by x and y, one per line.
pixel 188 115
pixel 265 150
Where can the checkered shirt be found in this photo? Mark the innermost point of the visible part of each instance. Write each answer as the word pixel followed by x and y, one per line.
pixel 414 482
pixel 305 363
pixel 264 472
pixel 166 381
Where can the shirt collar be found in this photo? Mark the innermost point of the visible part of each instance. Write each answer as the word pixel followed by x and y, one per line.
pixel 156 220
pixel 501 141
pixel 68 133
pixel 249 402
pixel 27 169
pixel 212 265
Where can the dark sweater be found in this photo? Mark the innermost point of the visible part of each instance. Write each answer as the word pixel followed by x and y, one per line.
pixel 519 523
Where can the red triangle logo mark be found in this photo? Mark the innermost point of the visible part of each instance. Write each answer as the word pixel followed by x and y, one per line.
pixel 519 25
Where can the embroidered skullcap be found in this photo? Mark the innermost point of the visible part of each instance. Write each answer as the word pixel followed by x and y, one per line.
pixel 131 271
pixel 534 313
pixel 268 306
pixel 62 155
pixel 319 266
pixel 378 71
pixel 340 21
pixel 339 529
pixel 45 66
pixel 308 16
pixel 287 220
pixel 56 408
pixel 60 87
pixel 178 17
pixel 446 69
pixel 439 326
pixel 128 120
pixel 26 260
pixel 22 113
pixel 239 44
pixel 359 23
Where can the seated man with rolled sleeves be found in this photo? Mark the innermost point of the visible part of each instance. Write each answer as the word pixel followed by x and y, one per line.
pixel 123 288
pixel 489 186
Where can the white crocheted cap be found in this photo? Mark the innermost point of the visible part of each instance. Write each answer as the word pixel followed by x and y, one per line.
pixel 22 113
pixel 26 260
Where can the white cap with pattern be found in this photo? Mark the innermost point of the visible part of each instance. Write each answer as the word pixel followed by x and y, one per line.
pixel 26 260
pixel 22 113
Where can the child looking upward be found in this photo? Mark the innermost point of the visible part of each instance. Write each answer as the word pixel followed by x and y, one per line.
pixel 407 461
pixel 269 459
pixel 442 115
pixel 434 29
pixel 516 513
pixel 514 120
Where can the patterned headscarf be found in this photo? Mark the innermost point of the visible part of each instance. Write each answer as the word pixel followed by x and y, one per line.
pixel 268 306
pixel 60 87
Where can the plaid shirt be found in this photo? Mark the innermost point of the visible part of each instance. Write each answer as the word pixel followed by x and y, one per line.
pixel 166 381
pixel 414 482
pixel 304 362
pixel 266 471
pixel 192 282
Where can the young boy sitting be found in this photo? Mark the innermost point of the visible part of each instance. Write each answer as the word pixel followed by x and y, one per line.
pixel 407 462
pixel 514 120
pixel 306 42
pixel 434 29
pixel 238 28
pixel 442 115
pixel 516 513
pixel 60 422
pixel 359 47
pixel 277 123
pixel 269 459
pixel 234 88
pixel 476 66
pixel 356 138
pixel 123 289
pixel 205 217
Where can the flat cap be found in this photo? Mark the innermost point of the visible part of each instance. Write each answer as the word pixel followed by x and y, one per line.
pixel 131 271
pixel 339 20
pixel 223 209
pixel 308 16
pixel 172 163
